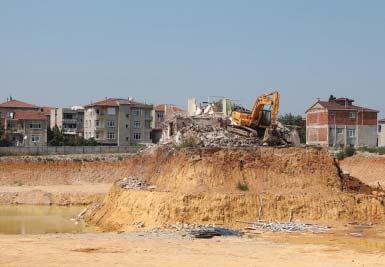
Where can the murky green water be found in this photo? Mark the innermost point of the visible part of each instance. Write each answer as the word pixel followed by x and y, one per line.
pixel 25 219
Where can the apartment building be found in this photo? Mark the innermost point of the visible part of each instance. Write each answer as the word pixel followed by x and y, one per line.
pixel 116 121
pixel 70 120
pixel 23 124
pixel 339 123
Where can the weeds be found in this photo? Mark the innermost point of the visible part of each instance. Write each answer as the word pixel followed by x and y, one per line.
pixel 188 143
pixel 347 152
pixel 377 150
pixel 243 186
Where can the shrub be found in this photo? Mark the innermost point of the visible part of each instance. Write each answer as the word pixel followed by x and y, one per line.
pixel 189 142
pixel 341 155
pixel 243 186
pixel 349 151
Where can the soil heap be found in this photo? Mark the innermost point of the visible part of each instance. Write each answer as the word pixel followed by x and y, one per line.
pixel 227 185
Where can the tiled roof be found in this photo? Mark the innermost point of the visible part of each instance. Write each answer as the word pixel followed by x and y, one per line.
pixel 112 102
pixel 29 115
pixel 333 105
pixel 16 104
pixel 162 107
pixel 47 110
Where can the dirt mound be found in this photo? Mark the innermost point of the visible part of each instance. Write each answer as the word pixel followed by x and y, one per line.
pixel 370 168
pixel 223 186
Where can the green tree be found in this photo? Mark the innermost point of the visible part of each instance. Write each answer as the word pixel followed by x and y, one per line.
pixel 56 137
pixel 295 120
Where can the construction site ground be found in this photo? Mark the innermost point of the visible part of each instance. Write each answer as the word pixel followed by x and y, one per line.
pixel 335 249
pixel 357 236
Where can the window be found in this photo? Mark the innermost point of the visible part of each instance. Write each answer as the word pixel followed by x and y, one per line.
pixel 35 126
pixel 126 138
pixel 111 136
pixel 97 123
pixel 110 124
pixel 160 115
pixel 352 132
pixel 379 128
pixel 136 112
pixel 147 114
pixel 35 138
pixel 111 111
pixel 148 124
pixel 352 115
pixel 11 125
pixel 137 124
pixel 97 136
pixel 127 115
pixel 340 131
pixel 68 116
pixel 97 111
pixel 126 125
pixel 136 136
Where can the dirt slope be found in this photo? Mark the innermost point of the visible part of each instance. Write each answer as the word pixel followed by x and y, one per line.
pixel 33 171
pixel 201 186
pixel 370 168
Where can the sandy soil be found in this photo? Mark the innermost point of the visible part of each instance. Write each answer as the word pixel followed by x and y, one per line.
pixel 136 249
pixel 82 194
pixel 369 168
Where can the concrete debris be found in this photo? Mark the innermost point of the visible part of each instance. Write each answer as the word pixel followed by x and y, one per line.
pixel 289 227
pixel 202 231
pixel 134 182
pixel 211 136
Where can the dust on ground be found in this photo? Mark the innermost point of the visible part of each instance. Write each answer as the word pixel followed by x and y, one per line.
pixel 169 249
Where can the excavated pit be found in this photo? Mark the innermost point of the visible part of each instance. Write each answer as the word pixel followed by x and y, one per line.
pixel 225 186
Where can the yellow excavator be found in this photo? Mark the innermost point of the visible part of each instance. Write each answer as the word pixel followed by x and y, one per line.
pixel 260 122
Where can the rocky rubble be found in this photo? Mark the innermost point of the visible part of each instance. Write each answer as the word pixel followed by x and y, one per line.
pixel 211 136
pixel 134 182
pixel 288 227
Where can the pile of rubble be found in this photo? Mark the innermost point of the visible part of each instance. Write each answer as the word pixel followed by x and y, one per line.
pixel 287 227
pixel 202 231
pixel 134 182
pixel 211 136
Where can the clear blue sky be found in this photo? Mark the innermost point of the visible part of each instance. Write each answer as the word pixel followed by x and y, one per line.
pixel 62 53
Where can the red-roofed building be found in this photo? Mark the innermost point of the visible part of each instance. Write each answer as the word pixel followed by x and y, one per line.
pixel 25 128
pixel 22 123
pixel 161 113
pixel 164 111
pixel 118 121
pixel 338 123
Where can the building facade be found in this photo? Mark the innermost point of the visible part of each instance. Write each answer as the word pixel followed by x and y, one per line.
pixel 381 133
pixel 23 124
pixel 162 113
pixel 70 120
pixel 339 123
pixel 120 122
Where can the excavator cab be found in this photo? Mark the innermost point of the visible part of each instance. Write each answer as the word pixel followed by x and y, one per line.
pixel 261 121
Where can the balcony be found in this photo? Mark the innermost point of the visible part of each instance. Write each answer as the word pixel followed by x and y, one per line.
pixel 70 131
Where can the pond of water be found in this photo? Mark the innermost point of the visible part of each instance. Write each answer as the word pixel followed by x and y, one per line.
pixel 25 219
